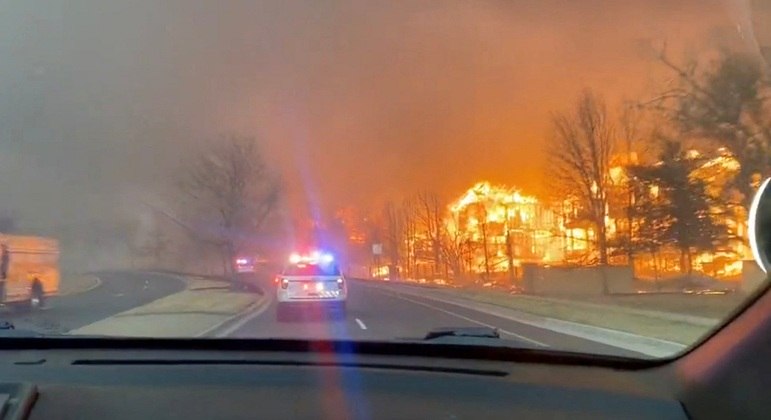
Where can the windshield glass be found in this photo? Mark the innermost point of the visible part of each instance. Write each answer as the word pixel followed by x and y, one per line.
pixel 311 270
pixel 577 174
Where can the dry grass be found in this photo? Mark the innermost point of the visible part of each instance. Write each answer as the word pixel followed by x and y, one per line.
pixel 155 326
pixel 615 317
pixel 710 306
pixel 200 302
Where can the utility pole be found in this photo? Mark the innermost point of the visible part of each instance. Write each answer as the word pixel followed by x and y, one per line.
pixel 484 248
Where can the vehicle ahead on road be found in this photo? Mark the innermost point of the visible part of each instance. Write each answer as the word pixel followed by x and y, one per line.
pixel 249 264
pixel 311 280
pixel 29 270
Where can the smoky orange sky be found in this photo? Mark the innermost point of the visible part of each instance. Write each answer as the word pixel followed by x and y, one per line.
pixel 371 102
pixel 356 102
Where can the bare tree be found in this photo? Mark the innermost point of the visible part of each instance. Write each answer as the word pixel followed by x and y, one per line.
pixel 429 216
pixel 409 210
pixel 581 148
pixel 457 249
pixel 394 235
pixel 233 191
pixel 630 131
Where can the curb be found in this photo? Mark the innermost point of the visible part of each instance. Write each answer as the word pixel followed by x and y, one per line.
pixel 96 284
pixel 255 308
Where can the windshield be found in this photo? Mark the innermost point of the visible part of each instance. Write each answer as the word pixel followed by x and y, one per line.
pixel 311 270
pixel 575 175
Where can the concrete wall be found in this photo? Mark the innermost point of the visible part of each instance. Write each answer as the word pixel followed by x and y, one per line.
pixel 576 280
pixel 752 276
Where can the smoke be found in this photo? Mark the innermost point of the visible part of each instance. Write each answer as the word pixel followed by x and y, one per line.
pixel 354 102
pixel 752 18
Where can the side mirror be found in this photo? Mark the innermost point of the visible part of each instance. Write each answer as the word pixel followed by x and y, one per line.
pixel 759 226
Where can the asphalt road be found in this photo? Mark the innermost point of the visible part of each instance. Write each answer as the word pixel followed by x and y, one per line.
pixel 377 314
pixel 373 313
pixel 119 291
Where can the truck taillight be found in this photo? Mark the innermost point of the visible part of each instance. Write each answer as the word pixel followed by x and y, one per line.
pixel 284 283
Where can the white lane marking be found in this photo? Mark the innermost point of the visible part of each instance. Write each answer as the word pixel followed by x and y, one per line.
pixel 521 337
pixel 241 322
pixel 361 324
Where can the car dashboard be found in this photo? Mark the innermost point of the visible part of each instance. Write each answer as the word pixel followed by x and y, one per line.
pixel 159 384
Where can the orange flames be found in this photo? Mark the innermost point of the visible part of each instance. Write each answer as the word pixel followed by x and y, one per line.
pixel 505 227
pixel 508 227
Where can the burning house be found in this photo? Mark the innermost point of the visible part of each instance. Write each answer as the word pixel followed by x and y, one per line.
pixel 504 229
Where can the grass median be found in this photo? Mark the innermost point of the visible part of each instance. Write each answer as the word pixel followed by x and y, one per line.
pixel 215 302
pixel 709 306
pixel 185 314
pixel 608 316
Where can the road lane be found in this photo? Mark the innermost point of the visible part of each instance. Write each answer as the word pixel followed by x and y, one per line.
pixel 378 312
pixel 548 338
pixel 375 313
pixel 361 324
pixel 119 291
pixel 505 333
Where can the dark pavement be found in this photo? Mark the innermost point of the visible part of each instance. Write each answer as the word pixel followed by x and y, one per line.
pixel 374 313
pixel 119 291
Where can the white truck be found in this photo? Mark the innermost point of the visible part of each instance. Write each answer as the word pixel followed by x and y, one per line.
pixel 29 270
